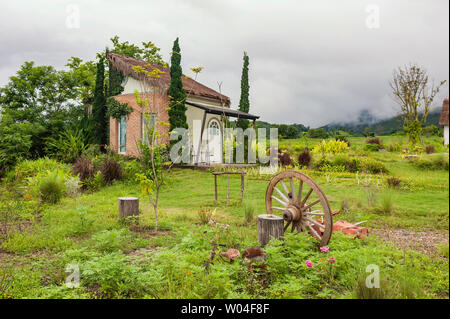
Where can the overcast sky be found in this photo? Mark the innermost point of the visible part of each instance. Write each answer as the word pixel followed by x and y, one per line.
pixel 311 62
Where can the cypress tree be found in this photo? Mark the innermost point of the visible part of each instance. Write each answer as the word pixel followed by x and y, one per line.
pixel 177 95
pixel 100 124
pixel 244 102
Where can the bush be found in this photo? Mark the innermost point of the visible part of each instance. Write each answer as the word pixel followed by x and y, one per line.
pixel 304 158
pixel 372 147
pixel 374 140
pixel 31 168
pixel 393 182
pixel 352 164
pixel 342 138
pixel 285 158
pixel 84 168
pixel 111 171
pixel 69 145
pixel 396 147
pixel 331 147
pixel 249 212
pixel 429 149
pixel 205 215
pixel 432 163
pixel 51 189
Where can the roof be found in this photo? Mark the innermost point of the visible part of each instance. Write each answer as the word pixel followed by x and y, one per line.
pixel 444 113
pixel 224 110
pixel 125 65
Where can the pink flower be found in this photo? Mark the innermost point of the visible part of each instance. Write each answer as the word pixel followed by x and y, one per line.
pixel 325 249
pixel 308 264
pixel 332 260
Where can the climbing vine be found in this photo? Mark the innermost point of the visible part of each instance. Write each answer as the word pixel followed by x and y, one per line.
pixel 116 109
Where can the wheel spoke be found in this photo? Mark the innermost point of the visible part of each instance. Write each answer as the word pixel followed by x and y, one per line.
pixel 279 208
pixel 280 201
pixel 287 225
pixel 311 205
pixel 314 232
pixel 315 212
pixel 282 195
pixel 299 197
pixel 285 188
pixel 315 222
pixel 306 197
pixel 291 181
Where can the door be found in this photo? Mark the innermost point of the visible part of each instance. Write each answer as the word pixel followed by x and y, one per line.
pixel 215 142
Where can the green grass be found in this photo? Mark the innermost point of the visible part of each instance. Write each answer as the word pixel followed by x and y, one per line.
pixel 121 261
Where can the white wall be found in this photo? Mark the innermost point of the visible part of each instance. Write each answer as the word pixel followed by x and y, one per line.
pixel 446 135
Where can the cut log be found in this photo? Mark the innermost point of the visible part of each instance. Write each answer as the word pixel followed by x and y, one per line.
pixel 128 206
pixel 269 225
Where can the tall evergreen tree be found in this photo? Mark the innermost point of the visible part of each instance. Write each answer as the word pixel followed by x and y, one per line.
pixel 99 120
pixel 177 95
pixel 244 102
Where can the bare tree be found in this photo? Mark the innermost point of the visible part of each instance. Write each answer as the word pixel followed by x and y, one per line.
pixel 414 92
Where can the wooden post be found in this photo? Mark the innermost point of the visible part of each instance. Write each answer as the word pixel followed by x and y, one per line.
pixel 228 189
pixel 242 186
pixel 215 185
pixel 269 225
pixel 128 206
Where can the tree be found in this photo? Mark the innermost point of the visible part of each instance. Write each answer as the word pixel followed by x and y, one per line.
pixel 154 154
pixel 177 95
pixel 99 120
pixel 414 92
pixel 244 102
pixel 43 97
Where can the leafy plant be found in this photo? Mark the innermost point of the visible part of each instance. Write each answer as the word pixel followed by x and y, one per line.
pixel 393 182
pixel 304 158
pixel 205 215
pixel 51 189
pixel 331 147
pixel 70 145
pixel 249 212
pixel 84 168
pixel 111 171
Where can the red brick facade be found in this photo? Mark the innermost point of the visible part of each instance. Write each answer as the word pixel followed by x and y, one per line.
pixel 158 104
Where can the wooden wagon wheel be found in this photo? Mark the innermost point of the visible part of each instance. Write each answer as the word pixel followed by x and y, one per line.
pixel 303 204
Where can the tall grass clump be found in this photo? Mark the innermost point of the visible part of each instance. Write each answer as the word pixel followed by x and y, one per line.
pixel 249 212
pixel 386 203
pixel 51 189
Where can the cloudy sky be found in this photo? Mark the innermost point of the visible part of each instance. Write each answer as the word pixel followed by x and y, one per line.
pixel 311 62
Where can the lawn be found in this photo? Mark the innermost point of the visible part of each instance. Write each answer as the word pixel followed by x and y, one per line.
pixel 129 260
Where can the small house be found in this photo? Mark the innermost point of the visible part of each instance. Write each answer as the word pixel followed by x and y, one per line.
pixel 207 111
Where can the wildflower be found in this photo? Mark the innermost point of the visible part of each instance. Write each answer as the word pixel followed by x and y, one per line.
pixel 28 196
pixel 227 284
pixel 309 264
pixel 325 249
pixel 332 260
pixel 277 293
pixel 188 272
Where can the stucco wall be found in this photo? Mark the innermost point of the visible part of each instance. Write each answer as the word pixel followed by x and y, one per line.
pixel 446 135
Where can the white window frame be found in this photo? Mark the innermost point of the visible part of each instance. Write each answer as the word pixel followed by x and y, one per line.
pixel 118 136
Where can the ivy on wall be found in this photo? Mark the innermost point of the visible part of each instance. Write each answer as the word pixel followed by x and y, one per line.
pixel 116 109
pixel 115 81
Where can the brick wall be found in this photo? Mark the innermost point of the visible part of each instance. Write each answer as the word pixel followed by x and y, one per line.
pixel 158 104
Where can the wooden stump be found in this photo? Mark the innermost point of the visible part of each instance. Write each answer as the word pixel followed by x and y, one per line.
pixel 269 225
pixel 128 206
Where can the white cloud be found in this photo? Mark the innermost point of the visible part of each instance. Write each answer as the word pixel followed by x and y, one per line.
pixel 311 62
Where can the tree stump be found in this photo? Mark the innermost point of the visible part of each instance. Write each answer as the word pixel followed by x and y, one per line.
pixel 269 225
pixel 128 206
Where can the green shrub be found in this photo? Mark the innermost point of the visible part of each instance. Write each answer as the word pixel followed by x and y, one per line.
pixel 249 212
pixel 205 215
pixel 331 147
pixel 371 147
pixel 440 162
pixel 51 189
pixel 70 145
pixel 31 168
pixel 352 164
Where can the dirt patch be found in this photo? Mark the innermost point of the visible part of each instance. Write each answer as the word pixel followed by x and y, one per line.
pixel 423 242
